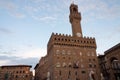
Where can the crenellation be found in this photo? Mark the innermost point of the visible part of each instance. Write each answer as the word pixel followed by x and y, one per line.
pixel 90 37
pixel 66 35
pixel 56 33
pixel 70 35
pixel 59 34
pixel 84 37
pixel 53 33
pixel 60 38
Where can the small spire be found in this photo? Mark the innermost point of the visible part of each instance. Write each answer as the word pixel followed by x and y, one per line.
pixel 72 1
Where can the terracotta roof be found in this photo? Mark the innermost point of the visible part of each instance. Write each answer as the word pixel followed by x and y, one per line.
pixel 112 49
pixel 16 66
pixel 101 56
pixel 36 66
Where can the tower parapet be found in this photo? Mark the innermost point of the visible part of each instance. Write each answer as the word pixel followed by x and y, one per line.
pixel 68 40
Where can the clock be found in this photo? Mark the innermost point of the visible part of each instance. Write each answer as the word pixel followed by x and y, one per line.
pixel 78 34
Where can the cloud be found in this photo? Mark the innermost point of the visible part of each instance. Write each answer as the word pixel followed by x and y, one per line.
pixel 27 61
pixel 18 15
pixel 24 54
pixel 30 9
pixel 37 52
pixel 36 8
pixel 13 60
pixel 29 51
pixel 3 57
pixel 5 31
pixel 4 62
pixel 8 5
pixel 12 8
pixel 46 18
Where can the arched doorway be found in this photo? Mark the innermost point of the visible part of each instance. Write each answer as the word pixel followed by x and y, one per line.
pixel 115 66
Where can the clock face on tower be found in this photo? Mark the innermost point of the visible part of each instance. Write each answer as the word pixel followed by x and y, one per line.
pixel 78 34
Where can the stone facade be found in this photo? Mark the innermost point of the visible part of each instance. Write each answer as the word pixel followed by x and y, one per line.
pixel 41 69
pixel 16 72
pixel 1 74
pixel 69 57
pixel 110 63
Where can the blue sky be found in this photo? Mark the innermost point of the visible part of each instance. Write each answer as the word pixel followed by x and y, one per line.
pixel 26 26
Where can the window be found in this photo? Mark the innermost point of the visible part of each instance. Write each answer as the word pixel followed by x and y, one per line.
pixel 93 59
pixel 119 65
pixel 16 76
pixel 65 39
pixel 81 60
pixel 93 54
pixel 75 9
pixel 58 64
pixel 83 72
pixel 80 53
pixel 82 65
pixel 58 57
pixel 62 39
pixel 63 57
pixel 77 79
pixel 69 72
pixel 89 60
pixel 94 66
pixel 57 51
pixel 60 73
pixel 69 52
pixel 63 51
pixel 88 54
pixel 70 64
pixel 64 64
pixel 90 65
pixel 76 73
pixel 26 76
pixel 55 39
pixel 69 58
pixel 16 71
pixel 58 39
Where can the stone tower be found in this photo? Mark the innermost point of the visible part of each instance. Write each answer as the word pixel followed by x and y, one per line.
pixel 70 57
pixel 75 20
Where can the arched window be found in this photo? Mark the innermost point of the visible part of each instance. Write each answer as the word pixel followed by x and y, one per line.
pixel 74 9
pixel 70 64
pixel 93 54
pixel 63 51
pixel 80 53
pixel 57 64
pixel 64 64
pixel 57 51
pixel 68 52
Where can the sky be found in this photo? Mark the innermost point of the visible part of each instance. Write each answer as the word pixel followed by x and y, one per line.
pixel 26 26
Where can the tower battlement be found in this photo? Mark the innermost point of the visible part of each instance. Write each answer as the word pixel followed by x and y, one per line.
pixel 68 40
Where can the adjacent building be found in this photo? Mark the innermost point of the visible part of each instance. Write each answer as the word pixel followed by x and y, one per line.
pixel 69 57
pixel 41 69
pixel 1 74
pixel 15 72
pixel 110 63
